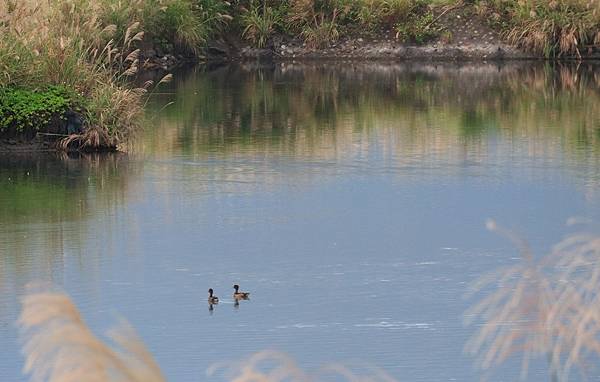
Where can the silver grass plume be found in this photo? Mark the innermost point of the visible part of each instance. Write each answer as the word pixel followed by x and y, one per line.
pixel 60 347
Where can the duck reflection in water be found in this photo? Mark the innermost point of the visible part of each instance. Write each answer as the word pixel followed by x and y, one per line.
pixel 212 300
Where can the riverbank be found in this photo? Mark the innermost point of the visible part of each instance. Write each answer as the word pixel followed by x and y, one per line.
pixel 108 55
pixel 441 30
pixel 454 32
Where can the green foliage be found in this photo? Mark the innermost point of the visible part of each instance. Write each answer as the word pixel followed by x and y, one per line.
pixel 372 14
pixel 22 109
pixel 418 28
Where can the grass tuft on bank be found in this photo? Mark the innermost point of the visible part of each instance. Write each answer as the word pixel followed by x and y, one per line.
pixel 551 28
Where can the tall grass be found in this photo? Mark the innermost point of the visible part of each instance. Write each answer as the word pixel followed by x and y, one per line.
pixel 546 27
pixel 551 27
pixel 92 48
pixel 66 43
pixel 546 307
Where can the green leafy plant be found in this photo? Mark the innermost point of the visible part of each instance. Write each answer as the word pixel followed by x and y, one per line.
pixel 22 109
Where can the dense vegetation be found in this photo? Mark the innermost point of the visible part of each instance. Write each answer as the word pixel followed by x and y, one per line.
pixel 92 48
pixel 548 27
pixel 319 23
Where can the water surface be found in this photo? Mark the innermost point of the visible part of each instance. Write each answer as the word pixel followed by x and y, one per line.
pixel 349 198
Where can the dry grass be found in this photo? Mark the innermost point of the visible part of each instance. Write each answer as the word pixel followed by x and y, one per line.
pixel 67 44
pixel 317 22
pixel 550 27
pixel 547 307
pixel 59 346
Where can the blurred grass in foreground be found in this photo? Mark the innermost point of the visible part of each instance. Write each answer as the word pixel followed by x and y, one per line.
pixel 60 347
pixel 546 307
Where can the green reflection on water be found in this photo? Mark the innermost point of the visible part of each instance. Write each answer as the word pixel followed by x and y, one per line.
pixel 46 188
pixel 303 109
pixel 47 202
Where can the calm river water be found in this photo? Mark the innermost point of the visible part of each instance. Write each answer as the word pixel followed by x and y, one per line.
pixel 350 199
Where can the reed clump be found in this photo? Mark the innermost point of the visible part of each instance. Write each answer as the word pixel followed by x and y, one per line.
pixel 550 27
pixel 65 44
pixel 546 307
pixel 91 50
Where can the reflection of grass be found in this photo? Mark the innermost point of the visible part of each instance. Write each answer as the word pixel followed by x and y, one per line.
pixel 547 307
pixel 27 196
pixel 48 188
pixel 310 104
pixel 59 346
pixel 57 192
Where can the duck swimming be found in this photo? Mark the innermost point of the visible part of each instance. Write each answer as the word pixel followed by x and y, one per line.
pixel 240 295
pixel 212 299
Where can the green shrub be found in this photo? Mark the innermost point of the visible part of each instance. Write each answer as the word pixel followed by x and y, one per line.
pixel 22 109
pixel 175 22
pixel 320 22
